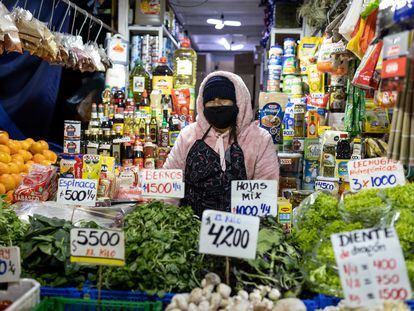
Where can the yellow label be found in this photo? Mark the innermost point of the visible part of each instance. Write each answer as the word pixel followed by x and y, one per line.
pixel 98 261
pixel 162 83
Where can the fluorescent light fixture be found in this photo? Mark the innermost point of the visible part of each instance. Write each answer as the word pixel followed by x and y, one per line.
pixel 232 23
pixel 237 47
pixel 213 21
pixel 219 26
pixel 225 43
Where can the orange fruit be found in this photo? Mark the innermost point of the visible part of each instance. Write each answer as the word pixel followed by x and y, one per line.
pixel 26 155
pixel 44 144
pixel 25 144
pixel 14 168
pixel 17 157
pixel 14 146
pixel 8 181
pixel 27 167
pixel 4 168
pixel 5 157
pixel 46 163
pixel 5 149
pixel 17 179
pixel 36 148
pixel 4 138
pixel 38 158
pixel 2 189
pixel 50 155
pixel 9 196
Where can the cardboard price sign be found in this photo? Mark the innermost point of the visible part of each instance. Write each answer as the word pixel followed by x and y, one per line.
pixel 371 266
pixel 227 234
pixel 254 197
pixel 10 268
pixel 77 191
pixel 375 173
pixel 97 247
pixel 162 183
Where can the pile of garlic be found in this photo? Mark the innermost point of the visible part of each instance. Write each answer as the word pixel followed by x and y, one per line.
pixel 215 295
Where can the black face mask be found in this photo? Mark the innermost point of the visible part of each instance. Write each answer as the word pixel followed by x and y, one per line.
pixel 221 117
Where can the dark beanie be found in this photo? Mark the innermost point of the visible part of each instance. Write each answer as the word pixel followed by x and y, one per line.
pixel 219 87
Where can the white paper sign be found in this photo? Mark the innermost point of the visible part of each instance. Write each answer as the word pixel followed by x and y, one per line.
pixel 227 234
pixel 254 197
pixel 375 173
pixel 10 268
pixel 77 191
pixel 371 266
pixel 162 183
pixel 97 246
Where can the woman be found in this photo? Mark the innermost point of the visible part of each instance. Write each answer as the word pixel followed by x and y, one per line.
pixel 223 145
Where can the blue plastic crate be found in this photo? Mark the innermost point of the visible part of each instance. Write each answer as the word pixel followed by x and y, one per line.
pixel 66 292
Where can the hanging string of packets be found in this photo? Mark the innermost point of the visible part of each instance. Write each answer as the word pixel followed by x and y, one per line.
pixel 21 31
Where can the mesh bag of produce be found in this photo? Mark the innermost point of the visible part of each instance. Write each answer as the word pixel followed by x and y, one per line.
pixel 370 207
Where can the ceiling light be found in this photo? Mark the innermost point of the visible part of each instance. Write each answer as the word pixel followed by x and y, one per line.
pixel 232 23
pixel 213 21
pixel 237 47
pixel 219 26
pixel 225 43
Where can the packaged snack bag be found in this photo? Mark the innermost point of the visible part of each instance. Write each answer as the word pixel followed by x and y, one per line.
pixel 316 80
pixel 307 52
pixel 365 76
pixel 91 166
pixel 327 62
pixel 181 103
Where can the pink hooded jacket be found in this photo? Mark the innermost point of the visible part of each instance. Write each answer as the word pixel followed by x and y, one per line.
pixel 259 151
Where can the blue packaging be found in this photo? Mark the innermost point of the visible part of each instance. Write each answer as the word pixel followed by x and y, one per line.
pixel 404 11
pixel 271 116
pixel 310 172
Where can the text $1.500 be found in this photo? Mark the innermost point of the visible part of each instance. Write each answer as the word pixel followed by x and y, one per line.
pixel 229 236
pixel 77 195
pixel 94 238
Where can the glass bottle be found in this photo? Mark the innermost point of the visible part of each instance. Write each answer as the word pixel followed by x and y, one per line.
pixel 94 122
pixel 185 63
pixel 116 146
pixel 139 81
pixel 93 142
pixel 118 125
pixel 119 98
pixel 162 77
pixel 174 130
pixel 139 154
pixel 164 131
pixel 149 151
pixel 153 127
pixel 127 154
pixel 105 145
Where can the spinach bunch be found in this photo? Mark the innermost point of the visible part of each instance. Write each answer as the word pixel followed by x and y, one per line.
pixel 11 228
pixel 161 251
pixel 45 252
pixel 277 262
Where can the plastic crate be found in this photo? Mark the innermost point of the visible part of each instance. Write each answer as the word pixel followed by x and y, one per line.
pixel 69 304
pixel 88 292
pixel 310 304
pixel 25 295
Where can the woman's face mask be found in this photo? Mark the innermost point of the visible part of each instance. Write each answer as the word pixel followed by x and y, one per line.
pixel 221 113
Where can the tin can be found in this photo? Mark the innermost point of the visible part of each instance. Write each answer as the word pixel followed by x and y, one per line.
pixel 72 130
pixel 290 65
pixel 71 146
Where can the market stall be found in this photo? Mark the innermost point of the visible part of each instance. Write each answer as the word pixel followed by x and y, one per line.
pixel 99 226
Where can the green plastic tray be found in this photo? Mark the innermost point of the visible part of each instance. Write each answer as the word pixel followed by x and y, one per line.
pixel 69 304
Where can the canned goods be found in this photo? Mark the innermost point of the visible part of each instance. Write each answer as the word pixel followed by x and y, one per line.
pixel 275 50
pixel 289 46
pixel 290 65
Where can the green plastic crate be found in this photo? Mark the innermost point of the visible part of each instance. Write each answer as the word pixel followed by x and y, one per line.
pixel 69 304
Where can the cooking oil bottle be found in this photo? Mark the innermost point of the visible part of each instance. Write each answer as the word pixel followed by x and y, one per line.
pixel 162 77
pixel 139 81
pixel 185 62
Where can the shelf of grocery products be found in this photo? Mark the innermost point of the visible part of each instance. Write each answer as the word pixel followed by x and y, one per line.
pixel 161 31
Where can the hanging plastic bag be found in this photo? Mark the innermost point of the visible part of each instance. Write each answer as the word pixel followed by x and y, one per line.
pixel 351 19
pixel 353 44
pixel 369 31
pixel 9 34
pixel 326 60
pixel 366 77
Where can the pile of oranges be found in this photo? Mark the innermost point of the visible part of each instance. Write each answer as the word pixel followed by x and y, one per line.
pixel 16 158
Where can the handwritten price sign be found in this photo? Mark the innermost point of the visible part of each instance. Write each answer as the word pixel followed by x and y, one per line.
pixel 254 197
pixel 97 247
pixel 371 266
pixel 162 183
pixel 77 191
pixel 227 234
pixel 375 173
pixel 10 268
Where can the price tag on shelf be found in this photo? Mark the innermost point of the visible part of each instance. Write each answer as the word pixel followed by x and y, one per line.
pixel 254 197
pixel 97 247
pixel 371 266
pixel 227 234
pixel 162 183
pixel 77 191
pixel 10 268
pixel 375 173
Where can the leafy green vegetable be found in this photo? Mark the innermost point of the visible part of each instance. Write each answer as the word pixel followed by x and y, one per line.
pixel 277 262
pixel 368 207
pixel 11 228
pixel 45 252
pixel 161 250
